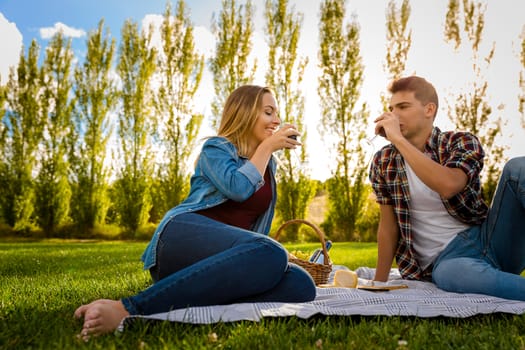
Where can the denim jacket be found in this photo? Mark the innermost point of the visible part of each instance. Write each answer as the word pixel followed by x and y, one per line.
pixel 220 174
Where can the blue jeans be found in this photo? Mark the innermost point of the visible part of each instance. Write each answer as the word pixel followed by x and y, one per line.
pixel 203 262
pixel 489 258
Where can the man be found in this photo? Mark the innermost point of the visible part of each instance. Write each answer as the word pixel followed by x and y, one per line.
pixel 433 219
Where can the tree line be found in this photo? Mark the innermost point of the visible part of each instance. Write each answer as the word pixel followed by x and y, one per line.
pixel 108 141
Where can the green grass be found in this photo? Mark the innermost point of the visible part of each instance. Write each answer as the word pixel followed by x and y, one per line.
pixel 41 284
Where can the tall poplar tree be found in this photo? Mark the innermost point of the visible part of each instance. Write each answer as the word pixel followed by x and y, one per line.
pixel 2 103
pixel 53 192
pixel 398 38
pixel 23 131
pixel 471 110
pixel 95 100
pixel 233 32
pixel 136 66
pixel 521 97
pixel 343 118
pixel 3 137
pixel 398 41
pixel 284 75
pixel 179 72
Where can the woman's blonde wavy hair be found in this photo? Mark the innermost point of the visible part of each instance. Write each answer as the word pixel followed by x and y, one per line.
pixel 240 114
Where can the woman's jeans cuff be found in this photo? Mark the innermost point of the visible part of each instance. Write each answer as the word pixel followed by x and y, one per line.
pixel 128 305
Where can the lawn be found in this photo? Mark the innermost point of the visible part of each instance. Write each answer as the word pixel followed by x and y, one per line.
pixel 41 284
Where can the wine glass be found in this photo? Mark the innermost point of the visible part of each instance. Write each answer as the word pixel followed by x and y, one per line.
pixel 296 157
pixel 369 148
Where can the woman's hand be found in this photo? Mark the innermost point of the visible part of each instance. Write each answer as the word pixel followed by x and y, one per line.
pixel 282 138
pixel 285 137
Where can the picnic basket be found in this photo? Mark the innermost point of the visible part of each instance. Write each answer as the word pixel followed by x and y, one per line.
pixel 319 272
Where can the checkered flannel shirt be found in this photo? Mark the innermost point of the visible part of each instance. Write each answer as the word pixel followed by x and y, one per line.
pixel 389 180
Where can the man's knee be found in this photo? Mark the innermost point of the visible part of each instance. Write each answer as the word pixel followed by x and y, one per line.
pixel 515 165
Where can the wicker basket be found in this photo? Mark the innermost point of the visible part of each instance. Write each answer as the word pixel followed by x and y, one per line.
pixel 319 272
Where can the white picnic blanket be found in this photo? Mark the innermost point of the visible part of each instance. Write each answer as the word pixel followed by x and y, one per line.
pixel 421 299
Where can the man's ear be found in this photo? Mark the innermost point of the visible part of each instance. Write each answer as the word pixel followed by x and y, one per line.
pixel 430 109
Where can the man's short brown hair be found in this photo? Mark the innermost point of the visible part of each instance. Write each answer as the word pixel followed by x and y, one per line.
pixel 423 91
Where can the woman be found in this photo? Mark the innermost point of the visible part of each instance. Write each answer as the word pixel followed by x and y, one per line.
pixel 213 248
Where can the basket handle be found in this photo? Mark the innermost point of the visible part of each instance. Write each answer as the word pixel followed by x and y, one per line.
pixel 315 228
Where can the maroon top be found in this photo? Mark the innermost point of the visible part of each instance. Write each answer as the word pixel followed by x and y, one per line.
pixel 243 214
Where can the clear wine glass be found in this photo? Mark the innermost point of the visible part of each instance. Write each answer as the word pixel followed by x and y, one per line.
pixel 369 142
pixel 369 148
pixel 296 157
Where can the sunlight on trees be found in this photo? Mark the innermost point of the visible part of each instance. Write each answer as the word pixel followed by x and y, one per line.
pixel 96 98
pixel 471 110
pixel 179 72
pixel 521 97
pixel 398 38
pixel 136 121
pixel 230 67
pixel 343 121
pixel 23 126
pixel 53 191
pixel 398 42
pixel 284 75
pixel 61 122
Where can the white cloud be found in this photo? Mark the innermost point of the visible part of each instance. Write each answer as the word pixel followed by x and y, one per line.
pixel 48 32
pixel 204 41
pixel 10 47
pixel 154 21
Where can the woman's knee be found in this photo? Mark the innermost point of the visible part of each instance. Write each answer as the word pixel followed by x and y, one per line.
pixel 309 292
pixel 304 283
pixel 276 252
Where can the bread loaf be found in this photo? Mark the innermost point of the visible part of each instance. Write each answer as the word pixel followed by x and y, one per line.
pixel 345 278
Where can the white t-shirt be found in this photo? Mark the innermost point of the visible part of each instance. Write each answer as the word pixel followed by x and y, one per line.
pixel 432 226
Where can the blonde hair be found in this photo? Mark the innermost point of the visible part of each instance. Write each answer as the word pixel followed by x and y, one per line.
pixel 240 114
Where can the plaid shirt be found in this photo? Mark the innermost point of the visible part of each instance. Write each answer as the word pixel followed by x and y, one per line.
pixel 389 181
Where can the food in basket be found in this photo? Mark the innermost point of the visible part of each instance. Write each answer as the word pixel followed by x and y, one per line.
pixel 345 278
pixel 299 254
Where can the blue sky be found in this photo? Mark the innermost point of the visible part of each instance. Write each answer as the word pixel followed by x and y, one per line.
pixel 24 20
pixel 33 17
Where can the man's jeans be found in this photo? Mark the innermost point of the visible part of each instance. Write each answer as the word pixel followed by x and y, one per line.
pixel 488 259
pixel 203 262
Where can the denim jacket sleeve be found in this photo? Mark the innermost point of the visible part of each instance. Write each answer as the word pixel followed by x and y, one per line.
pixel 234 177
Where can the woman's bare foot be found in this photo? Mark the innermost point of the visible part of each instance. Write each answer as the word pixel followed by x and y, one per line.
pixel 100 317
